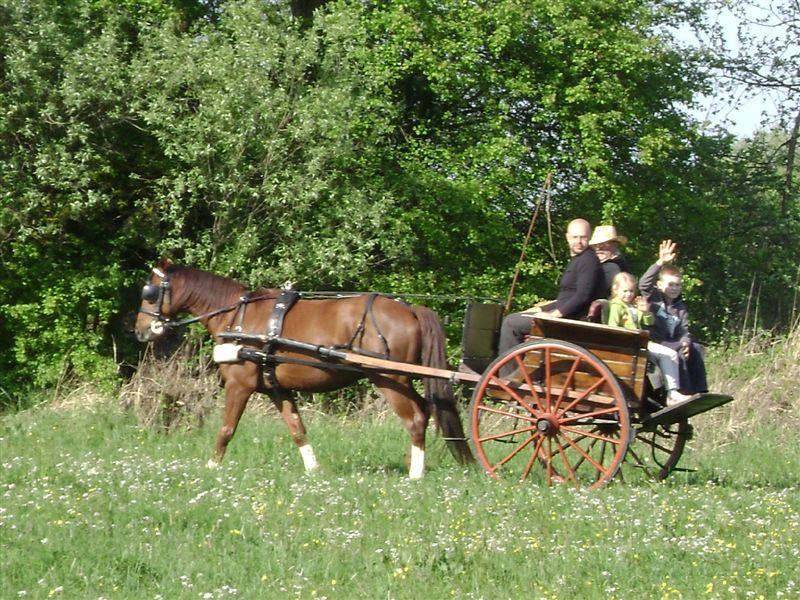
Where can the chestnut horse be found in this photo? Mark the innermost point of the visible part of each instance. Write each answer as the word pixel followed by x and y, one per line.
pixel 390 328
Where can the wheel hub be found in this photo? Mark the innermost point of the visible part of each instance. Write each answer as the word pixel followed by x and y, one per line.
pixel 547 424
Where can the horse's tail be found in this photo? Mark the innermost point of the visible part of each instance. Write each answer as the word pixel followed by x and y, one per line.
pixel 439 392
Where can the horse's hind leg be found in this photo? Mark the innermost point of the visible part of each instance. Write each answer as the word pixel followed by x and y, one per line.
pixel 285 403
pixel 413 412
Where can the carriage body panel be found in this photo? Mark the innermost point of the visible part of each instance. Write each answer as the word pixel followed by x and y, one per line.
pixel 623 351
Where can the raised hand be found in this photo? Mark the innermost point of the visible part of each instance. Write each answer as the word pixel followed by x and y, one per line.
pixel 667 251
pixel 642 305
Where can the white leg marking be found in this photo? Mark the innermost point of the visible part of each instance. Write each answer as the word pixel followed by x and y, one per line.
pixel 212 464
pixel 309 460
pixel 417 463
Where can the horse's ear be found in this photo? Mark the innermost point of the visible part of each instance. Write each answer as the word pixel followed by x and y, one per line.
pixel 163 263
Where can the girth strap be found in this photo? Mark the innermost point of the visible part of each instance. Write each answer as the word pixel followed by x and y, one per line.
pixel 358 334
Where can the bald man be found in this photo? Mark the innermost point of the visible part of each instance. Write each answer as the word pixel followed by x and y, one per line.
pixel 581 283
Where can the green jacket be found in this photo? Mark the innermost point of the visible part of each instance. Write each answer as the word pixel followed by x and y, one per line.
pixel 629 317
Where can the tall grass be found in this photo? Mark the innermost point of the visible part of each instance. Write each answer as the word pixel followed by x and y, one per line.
pixel 94 504
pixel 762 373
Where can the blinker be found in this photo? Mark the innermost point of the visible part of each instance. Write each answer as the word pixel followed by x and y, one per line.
pixel 150 293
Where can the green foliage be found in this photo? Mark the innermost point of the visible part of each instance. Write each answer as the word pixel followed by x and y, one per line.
pixel 271 133
pixel 392 145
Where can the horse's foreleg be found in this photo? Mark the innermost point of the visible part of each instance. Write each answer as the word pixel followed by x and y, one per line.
pixel 236 396
pixel 413 412
pixel 285 403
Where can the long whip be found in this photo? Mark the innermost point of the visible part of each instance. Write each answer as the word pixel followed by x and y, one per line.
pixel 545 187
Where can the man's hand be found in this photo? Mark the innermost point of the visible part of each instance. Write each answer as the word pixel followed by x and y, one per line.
pixel 667 251
pixel 686 349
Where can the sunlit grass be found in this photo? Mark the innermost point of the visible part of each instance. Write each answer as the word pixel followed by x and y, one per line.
pixel 92 505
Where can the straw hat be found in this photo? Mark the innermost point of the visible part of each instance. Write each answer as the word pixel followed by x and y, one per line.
pixel 606 233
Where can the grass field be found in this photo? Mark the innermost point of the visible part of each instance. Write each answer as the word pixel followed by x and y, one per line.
pixel 93 505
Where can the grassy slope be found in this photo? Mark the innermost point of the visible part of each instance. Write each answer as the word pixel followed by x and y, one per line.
pixel 92 505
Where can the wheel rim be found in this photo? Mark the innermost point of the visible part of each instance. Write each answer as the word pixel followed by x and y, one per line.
pixel 657 451
pixel 561 417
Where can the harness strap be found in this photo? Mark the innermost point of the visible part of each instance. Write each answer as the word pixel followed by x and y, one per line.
pixel 359 332
pixel 283 303
pixel 238 318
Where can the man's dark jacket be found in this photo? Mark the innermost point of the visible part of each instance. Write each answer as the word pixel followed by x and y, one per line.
pixel 581 283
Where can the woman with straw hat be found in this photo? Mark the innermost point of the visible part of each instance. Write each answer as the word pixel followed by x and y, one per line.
pixel 607 244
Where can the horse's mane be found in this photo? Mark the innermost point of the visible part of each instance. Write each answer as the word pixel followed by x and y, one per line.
pixel 211 289
pixel 205 287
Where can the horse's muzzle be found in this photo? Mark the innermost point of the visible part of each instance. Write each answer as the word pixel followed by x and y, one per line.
pixel 153 331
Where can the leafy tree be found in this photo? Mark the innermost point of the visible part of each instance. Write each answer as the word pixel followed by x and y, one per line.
pixel 74 161
pixel 273 139
pixel 498 94
pixel 392 145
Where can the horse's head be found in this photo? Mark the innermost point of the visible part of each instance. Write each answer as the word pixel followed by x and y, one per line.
pixel 157 304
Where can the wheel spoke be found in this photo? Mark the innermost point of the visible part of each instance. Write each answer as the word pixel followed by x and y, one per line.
pixel 654 445
pixel 583 396
pixel 596 413
pixel 602 451
pixel 502 385
pixel 570 472
pixel 582 458
pixel 592 435
pixel 498 436
pixel 528 381
pixel 532 459
pixel 585 455
pixel 567 382
pixel 515 451
pixel 547 376
pixel 640 462
pixel 497 411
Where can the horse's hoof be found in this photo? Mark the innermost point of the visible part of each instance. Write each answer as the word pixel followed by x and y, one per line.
pixel 212 464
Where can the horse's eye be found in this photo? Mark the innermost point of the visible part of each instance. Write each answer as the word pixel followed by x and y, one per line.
pixel 150 293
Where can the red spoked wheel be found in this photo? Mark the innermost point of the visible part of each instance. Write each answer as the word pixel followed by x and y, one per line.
pixel 550 411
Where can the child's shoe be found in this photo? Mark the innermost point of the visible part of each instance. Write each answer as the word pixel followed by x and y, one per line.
pixel 675 397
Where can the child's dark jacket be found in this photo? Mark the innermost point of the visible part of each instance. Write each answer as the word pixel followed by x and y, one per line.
pixel 672 320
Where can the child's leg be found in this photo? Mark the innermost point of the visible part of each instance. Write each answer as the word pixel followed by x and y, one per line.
pixel 697 370
pixel 667 361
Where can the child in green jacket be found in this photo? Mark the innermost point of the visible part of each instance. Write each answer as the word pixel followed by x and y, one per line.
pixel 633 312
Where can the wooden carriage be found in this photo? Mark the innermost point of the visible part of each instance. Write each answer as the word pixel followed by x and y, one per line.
pixel 574 403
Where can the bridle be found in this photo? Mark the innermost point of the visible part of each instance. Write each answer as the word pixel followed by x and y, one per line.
pixel 155 294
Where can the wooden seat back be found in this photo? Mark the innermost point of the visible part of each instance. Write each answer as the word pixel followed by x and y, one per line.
pixel 624 351
pixel 481 334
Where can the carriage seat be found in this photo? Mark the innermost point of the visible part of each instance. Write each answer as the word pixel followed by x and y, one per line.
pixel 481 335
pixel 598 311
